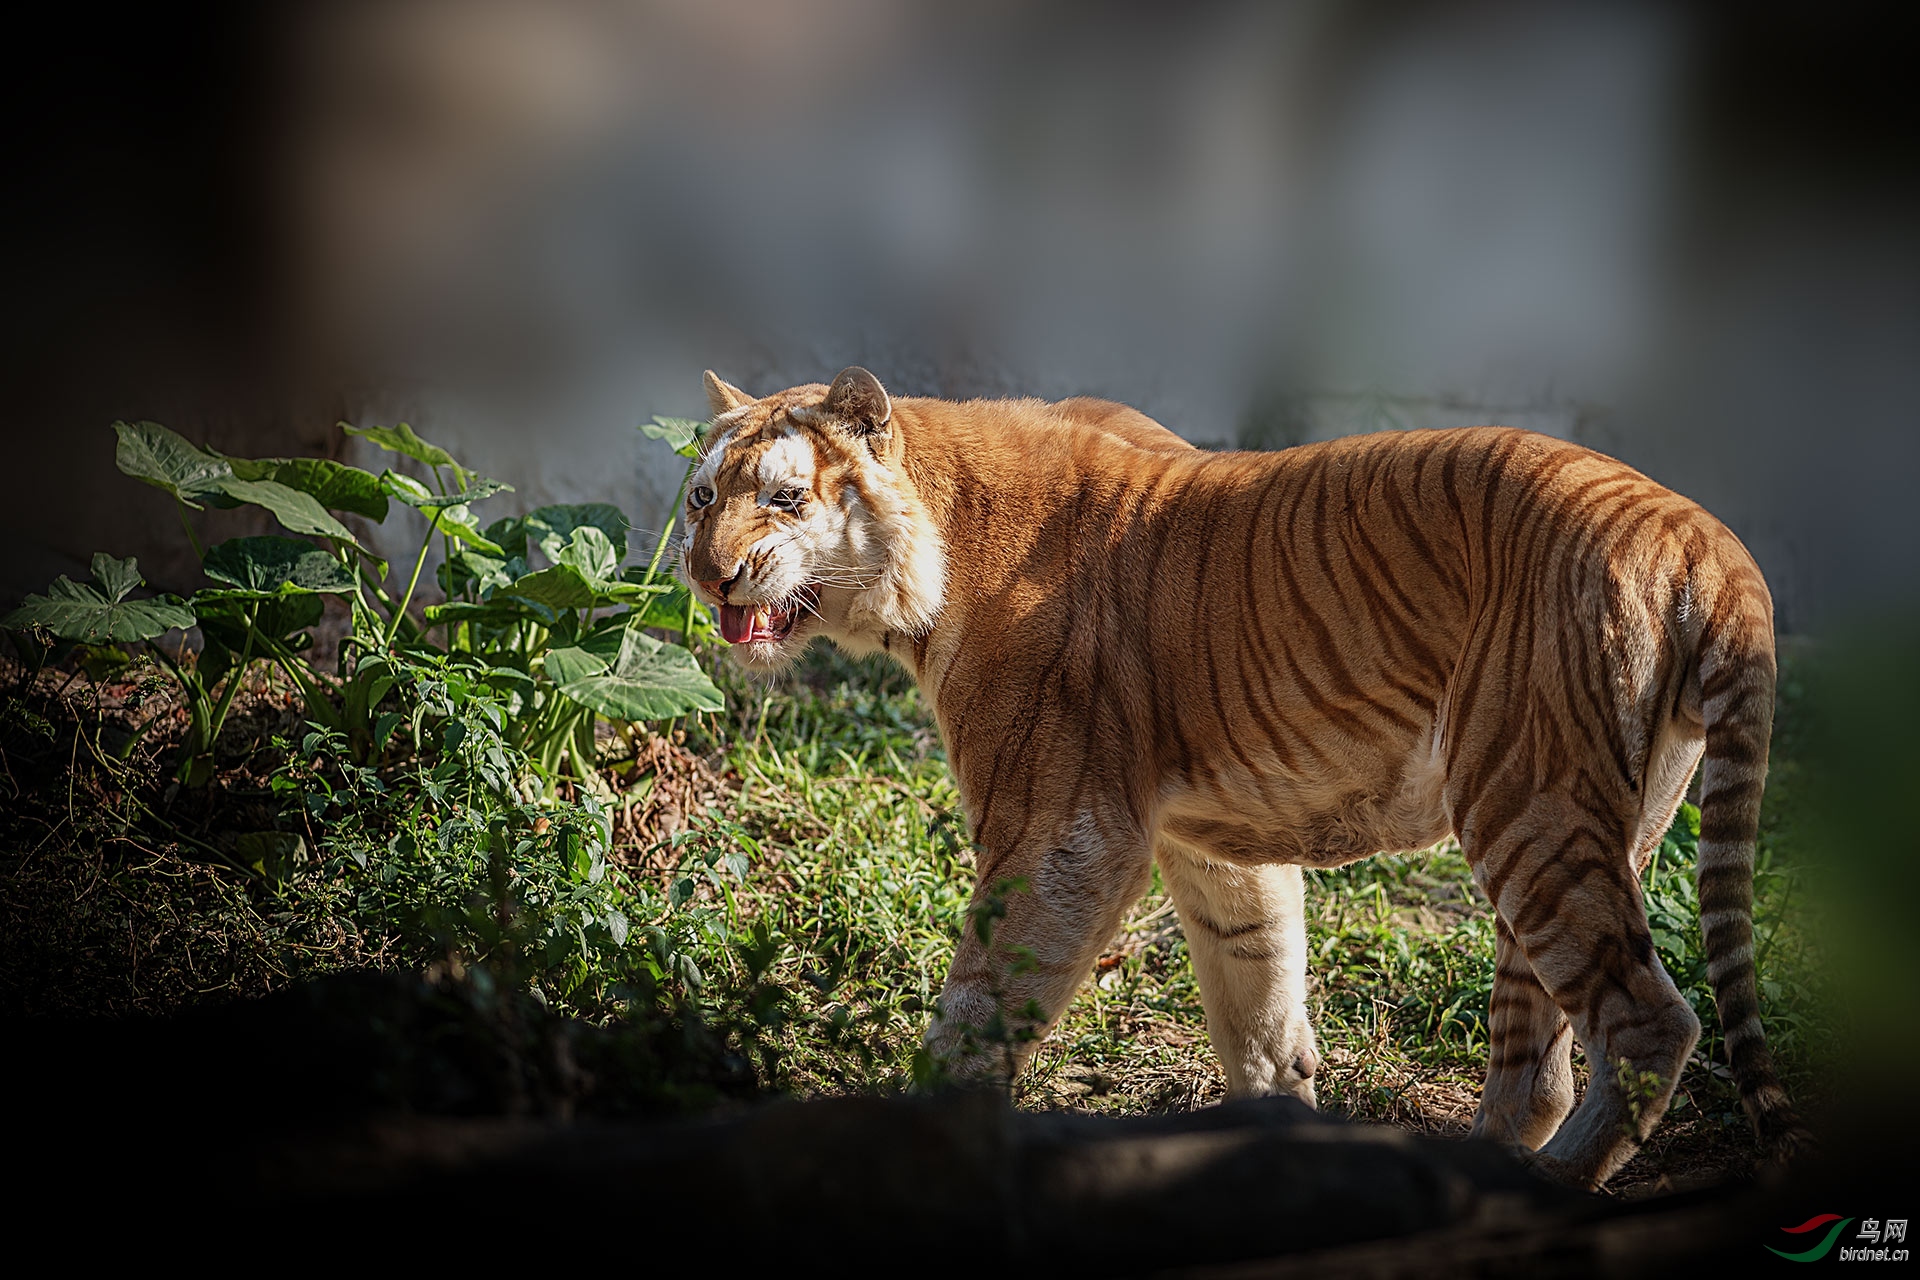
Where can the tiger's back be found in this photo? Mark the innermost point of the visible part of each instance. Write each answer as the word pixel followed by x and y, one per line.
pixel 1243 664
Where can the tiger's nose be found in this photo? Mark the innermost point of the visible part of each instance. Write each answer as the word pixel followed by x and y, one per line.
pixel 719 587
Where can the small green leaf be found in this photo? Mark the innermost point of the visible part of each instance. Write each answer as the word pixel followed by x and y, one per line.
pixel 383 727
pixel 404 487
pixel 100 613
pixel 473 568
pixel 681 434
pixel 449 511
pixel 272 563
pixel 164 459
pixel 458 522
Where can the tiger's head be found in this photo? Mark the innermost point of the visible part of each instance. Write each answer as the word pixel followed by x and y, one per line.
pixel 801 520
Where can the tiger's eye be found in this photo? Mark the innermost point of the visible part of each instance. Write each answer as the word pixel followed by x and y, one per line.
pixel 790 499
pixel 700 497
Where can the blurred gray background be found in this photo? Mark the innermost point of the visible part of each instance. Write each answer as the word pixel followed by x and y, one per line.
pixel 1683 236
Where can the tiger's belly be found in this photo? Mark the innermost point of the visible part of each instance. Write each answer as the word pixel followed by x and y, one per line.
pixel 1382 805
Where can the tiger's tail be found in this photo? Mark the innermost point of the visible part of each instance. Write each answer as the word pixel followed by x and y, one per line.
pixel 1737 674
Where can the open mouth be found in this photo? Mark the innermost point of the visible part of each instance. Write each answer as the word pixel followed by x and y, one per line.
pixel 765 623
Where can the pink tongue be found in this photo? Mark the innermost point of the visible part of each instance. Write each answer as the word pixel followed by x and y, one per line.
pixel 736 623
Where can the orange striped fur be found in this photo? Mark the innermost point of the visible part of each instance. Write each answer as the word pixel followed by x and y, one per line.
pixel 1244 664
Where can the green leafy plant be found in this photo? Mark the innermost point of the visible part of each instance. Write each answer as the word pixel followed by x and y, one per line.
pixel 538 607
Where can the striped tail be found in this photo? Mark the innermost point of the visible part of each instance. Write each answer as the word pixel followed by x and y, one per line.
pixel 1737 676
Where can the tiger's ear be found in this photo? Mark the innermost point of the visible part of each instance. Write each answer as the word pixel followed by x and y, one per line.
pixel 723 396
pixel 857 398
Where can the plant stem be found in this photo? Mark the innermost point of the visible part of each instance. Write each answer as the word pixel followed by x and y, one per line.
pixel 195 689
pixel 318 707
pixel 219 716
pixel 419 560
pixel 192 539
pixel 660 547
pixel 352 565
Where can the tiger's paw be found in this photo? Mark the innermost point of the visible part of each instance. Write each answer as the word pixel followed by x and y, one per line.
pixel 1553 1169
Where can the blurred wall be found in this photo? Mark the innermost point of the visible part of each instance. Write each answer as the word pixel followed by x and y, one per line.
pixel 1682 236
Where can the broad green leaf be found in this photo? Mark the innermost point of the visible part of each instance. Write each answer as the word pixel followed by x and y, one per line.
pixel 589 551
pixel 553 527
pixel 100 661
pixel 164 459
pixel 401 440
pixel 511 535
pixel 333 485
pixel 100 612
pixel 271 563
pixel 666 608
pixel 223 615
pixel 118 578
pixel 643 680
pixel 296 511
pixel 561 587
pixel 681 434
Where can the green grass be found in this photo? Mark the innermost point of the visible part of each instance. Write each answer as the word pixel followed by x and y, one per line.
pixel 801 860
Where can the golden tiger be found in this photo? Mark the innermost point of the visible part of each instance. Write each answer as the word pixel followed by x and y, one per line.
pixel 1242 664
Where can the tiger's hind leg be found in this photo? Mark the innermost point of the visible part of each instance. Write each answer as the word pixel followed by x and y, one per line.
pixel 1569 894
pixel 1529 1088
pixel 1246 931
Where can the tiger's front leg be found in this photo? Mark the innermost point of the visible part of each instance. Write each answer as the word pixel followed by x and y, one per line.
pixel 1062 902
pixel 1246 932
